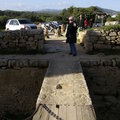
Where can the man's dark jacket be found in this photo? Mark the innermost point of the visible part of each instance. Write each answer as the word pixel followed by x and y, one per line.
pixel 71 33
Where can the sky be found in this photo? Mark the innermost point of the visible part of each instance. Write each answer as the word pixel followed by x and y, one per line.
pixel 33 5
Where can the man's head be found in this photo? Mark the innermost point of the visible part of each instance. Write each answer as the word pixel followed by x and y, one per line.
pixel 80 16
pixel 71 19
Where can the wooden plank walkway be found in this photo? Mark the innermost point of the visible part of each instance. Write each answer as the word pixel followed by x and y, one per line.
pixel 64 94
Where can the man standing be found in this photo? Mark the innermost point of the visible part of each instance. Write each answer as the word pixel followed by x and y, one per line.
pixel 71 35
pixel 86 23
pixel 81 22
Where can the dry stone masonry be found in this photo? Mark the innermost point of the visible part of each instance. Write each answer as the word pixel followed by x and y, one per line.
pixel 103 81
pixel 100 39
pixel 21 63
pixel 20 83
pixel 22 39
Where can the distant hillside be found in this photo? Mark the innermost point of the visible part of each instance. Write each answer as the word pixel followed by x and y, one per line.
pixel 104 10
pixel 108 11
pixel 51 11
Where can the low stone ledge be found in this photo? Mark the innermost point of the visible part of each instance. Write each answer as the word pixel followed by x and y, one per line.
pixel 113 62
pixel 21 63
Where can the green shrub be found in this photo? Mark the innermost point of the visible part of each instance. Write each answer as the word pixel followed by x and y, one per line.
pixel 110 19
pixel 107 28
pixel 118 17
pixel 114 27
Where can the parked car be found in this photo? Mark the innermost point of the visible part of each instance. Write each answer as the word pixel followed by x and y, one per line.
pixel 18 24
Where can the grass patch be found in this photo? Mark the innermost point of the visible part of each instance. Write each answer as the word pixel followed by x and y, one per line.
pixel 107 28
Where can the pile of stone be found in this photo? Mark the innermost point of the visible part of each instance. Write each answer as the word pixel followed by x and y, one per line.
pixel 22 39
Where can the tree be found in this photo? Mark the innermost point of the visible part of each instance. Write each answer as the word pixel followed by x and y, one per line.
pixel 3 20
pixel 109 18
pixel 118 17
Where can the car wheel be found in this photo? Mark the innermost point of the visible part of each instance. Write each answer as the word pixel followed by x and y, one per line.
pixel 22 29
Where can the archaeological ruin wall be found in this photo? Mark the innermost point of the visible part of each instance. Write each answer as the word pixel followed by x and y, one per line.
pixel 20 83
pixel 22 40
pixel 100 39
pixel 102 77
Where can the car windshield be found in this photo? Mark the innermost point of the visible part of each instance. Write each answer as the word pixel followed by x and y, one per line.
pixel 25 22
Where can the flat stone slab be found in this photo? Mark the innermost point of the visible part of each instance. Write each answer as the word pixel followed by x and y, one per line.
pixel 64 94
pixel 66 112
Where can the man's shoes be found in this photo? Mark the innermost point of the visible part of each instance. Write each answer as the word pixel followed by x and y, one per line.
pixel 70 53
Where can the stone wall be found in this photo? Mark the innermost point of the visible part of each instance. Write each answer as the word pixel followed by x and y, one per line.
pixel 102 77
pixel 111 23
pixel 21 63
pixel 20 83
pixel 81 36
pixel 98 40
pixel 22 40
